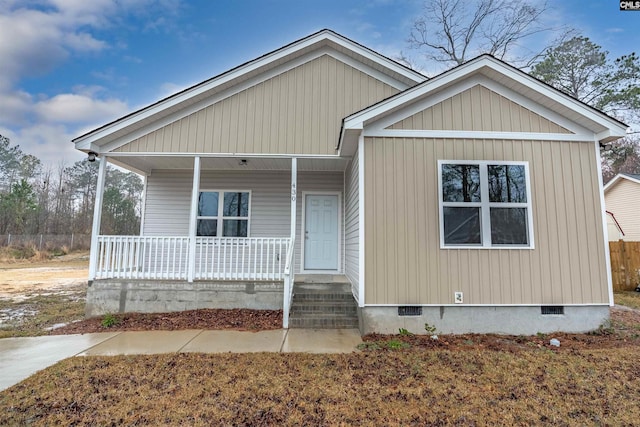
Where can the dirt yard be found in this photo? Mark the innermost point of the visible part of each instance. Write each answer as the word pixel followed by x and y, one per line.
pixel 18 280
pixel 36 297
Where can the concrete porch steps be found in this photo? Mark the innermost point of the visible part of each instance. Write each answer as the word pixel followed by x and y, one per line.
pixel 323 306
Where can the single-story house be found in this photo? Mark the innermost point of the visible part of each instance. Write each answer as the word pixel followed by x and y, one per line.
pixel 471 201
pixel 622 199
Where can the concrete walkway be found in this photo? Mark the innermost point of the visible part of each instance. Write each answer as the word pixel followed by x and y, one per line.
pixel 22 357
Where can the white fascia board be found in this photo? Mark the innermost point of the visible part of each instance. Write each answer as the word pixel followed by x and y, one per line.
pixel 357 120
pixel 470 82
pixel 617 178
pixel 215 98
pixel 473 66
pixel 609 135
pixel 371 55
pixel 247 68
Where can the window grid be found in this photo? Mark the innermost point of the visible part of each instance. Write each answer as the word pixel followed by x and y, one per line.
pixel 220 217
pixel 485 205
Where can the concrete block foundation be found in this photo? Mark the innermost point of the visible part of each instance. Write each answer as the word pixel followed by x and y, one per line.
pixel 147 296
pixel 507 320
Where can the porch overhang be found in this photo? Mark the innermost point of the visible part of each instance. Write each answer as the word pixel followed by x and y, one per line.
pixel 145 163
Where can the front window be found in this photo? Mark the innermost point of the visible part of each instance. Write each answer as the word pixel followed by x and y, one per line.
pixel 223 213
pixel 485 204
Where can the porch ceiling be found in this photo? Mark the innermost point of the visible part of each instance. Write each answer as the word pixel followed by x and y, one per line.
pixel 146 164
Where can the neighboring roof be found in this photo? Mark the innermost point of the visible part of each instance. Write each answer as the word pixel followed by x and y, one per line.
pixel 197 93
pixel 621 176
pixel 605 127
pixel 615 221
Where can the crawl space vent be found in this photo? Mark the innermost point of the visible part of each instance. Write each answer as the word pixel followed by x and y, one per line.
pixel 552 309
pixel 408 310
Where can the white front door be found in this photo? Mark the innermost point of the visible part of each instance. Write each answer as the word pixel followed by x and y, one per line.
pixel 321 232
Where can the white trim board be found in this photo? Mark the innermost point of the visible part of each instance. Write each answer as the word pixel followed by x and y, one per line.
pixel 357 120
pixel 618 178
pixel 455 134
pixel 323 37
pixel 362 219
pixel 223 155
pixel 340 269
pixel 478 80
pixel 605 231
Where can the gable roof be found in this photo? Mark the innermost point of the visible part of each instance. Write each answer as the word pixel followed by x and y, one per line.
pixel 627 176
pixel 109 132
pixel 605 127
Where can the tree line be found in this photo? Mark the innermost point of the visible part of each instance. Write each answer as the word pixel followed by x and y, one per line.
pixel 35 199
pixel 38 199
pixel 451 32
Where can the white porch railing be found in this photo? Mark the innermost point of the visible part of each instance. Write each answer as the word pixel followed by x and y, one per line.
pixel 142 257
pixel 241 258
pixel 216 258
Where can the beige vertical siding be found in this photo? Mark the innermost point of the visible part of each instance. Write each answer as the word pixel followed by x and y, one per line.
pixel 296 112
pixel 623 200
pixel 352 225
pixel 404 262
pixel 479 109
pixel 169 199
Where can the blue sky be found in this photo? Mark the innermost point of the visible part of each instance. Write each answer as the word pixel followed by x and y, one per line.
pixel 68 66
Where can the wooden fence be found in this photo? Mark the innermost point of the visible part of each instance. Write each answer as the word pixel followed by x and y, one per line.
pixel 625 265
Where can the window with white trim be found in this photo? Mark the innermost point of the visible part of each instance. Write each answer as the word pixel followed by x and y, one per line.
pixel 485 204
pixel 223 213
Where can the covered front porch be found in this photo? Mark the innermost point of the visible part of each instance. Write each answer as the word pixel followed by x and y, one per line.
pixel 239 222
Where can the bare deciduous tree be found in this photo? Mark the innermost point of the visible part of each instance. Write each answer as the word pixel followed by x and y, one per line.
pixel 453 31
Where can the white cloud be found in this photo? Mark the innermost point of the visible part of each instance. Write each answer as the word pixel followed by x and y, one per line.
pixel 49 143
pixel 38 35
pixel 77 108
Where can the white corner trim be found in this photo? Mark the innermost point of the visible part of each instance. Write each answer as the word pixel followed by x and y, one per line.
pixel 361 222
pixel 603 214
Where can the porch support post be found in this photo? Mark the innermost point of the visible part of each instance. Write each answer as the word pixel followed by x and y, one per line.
pixel 195 193
pixel 294 191
pixel 290 272
pixel 97 217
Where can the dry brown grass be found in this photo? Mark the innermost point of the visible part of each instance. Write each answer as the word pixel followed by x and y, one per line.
pixel 408 387
pixel 628 298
